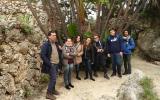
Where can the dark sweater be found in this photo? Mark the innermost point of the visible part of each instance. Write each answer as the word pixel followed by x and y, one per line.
pixel 114 44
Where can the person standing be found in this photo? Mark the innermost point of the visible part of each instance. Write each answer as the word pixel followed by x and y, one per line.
pixel 100 60
pixel 79 53
pixel 69 53
pixel 88 58
pixel 50 57
pixel 114 46
pixel 127 45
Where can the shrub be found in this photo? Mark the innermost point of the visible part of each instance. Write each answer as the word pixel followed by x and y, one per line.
pixel 72 30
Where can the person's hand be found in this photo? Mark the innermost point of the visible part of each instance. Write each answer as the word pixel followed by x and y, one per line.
pixel 98 50
pixel 101 50
pixel 109 55
pixel 121 53
pixel 60 47
pixel 92 63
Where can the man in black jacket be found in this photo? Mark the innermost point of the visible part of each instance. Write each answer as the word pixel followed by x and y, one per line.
pixel 50 58
pixel 100 60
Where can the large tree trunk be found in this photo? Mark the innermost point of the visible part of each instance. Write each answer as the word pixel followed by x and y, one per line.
pixel 98 21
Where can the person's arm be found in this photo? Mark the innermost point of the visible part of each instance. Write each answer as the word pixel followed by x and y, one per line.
pixel 81 52
pixel 65 54
pixel 92 54
pixel 43 55
pixel 108 47
pixel 131 44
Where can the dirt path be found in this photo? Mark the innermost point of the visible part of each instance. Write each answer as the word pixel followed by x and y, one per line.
pixel 89 90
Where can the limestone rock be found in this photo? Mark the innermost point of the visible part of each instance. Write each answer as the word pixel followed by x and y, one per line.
pixel 149 43
pixel 131 89
pixel 14 35
pixel 7 82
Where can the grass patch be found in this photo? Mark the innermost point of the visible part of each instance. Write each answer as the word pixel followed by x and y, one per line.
pixel 44 79
pixel 27 91
pixel 147 86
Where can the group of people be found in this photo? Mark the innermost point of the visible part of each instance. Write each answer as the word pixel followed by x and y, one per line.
pixel 92 53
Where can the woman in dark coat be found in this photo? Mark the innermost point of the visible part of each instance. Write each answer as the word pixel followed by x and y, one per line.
pixel 88 58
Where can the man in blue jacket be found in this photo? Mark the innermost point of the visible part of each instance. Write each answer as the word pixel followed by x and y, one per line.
pixel 127 46
pixel 50 58
pixel 114 46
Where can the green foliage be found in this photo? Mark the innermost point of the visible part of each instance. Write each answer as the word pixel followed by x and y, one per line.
pixel 24 24
pixel 87 34
pixel 44 78
pixel 147 85
pixel 27 91
pixel 24 19
pixel 25 29
pixel 72 30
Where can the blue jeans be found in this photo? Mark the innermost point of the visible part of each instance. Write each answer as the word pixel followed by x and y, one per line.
pixel 88 68
pixel 77 69
pixel 52 82
pixel 67 74
pixel 116 63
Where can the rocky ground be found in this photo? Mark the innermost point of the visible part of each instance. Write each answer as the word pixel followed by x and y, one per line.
pixel 103 89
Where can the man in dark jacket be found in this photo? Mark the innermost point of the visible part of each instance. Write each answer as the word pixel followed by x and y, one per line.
pixel 100 60
pixel 50 58
pixel 127 45
pixel 114 46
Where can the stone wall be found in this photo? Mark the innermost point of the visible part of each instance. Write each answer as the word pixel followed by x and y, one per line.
pixel 19 52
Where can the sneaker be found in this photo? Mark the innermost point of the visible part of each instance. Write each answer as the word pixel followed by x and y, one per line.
pixel 67 87
pixel 71 85
pixel 50 96
pixel 55 92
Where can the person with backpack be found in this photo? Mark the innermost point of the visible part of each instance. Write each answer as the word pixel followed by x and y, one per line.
pixel 69 54
pixel 114 46
pixel 79 53
pixel 127 46
pixel 50 57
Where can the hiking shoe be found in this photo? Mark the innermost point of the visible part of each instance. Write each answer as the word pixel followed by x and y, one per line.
pixel 85 78
pixel 106 76
pixel 50 96
pixel 78 78
pixel 95 74
pixel 71 85
pixel 119 75
pixel 125 73
pixel 113 74
pixel 67 87
pixel 55 92
pixel 92 79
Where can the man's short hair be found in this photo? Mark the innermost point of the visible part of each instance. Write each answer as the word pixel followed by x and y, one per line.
pixel 112 29
pixel 49 33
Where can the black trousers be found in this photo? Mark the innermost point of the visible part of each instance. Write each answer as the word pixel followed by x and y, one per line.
pixel 127 63
pixel 100 61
